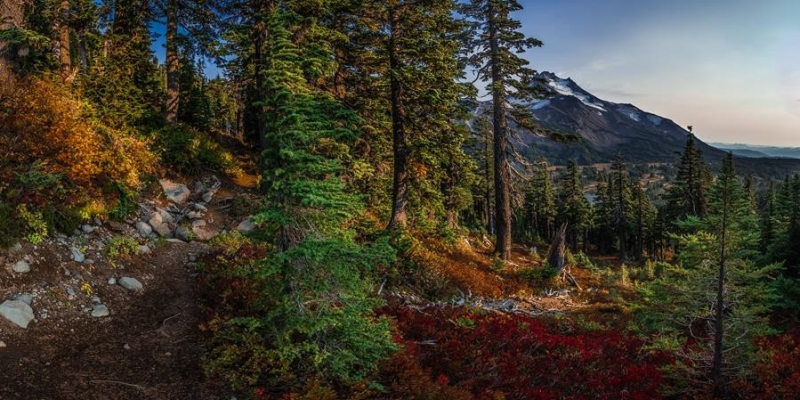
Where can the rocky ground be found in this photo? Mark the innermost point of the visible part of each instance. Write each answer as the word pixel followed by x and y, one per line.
pixel 111 311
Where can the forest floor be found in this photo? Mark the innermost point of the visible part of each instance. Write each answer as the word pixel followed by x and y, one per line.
pixel 148 347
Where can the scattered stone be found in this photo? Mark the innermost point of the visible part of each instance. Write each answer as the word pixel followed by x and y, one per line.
pixel 176 192
pixel 43 315
pixel 200 187
pixel 194 215
pixel 130 283
pixel 173 240
pixel 99 311
pixel 246 226
pixel 21 266
pixel 207 196
pixel 97 221
pixel 144 228
pixel 112 281
pixel 67 273
pixel 87 229
pixel 126 346
pixel 96 300
pixel 88 261
pixel 162 230
pixel 192 257
pixel 71 292
pixel 77 255
pixel 183 233
pixel 2 344
pixel 200 207
pixel 17 312
pixel 203 235
pixel 198 223
pixel 144 249
pixel 25 298
pixel 17 247
pixel 76 232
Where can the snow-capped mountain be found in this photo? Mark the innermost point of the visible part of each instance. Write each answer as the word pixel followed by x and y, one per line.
pixel 606 129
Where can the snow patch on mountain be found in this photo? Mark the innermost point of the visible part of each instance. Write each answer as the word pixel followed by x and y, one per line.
pixel 630 112
pixel 562 87
pixel 540 104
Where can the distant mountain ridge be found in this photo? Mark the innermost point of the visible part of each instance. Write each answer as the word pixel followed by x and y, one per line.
pixel 606 129
pixel 759 151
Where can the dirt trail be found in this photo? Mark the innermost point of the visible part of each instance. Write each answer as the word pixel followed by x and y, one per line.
pixel 149 347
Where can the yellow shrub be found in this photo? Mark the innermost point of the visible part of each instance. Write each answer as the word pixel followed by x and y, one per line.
pixel 43 121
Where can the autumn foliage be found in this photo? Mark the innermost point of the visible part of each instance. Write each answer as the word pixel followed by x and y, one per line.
pixel 501 356
pixel 53 152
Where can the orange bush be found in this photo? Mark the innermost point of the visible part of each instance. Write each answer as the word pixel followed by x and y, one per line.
pixel 44 123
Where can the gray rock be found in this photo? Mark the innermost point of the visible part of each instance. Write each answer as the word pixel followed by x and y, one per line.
pixel 207 196
pixel 25 298
pixel 2 344
pixel 183 233
pixel 96 300
pixel 246 226
pixel 200 187
pixel 21 266
pixel 202 234
pixel 87 228
pixel 173 240
pixel 176 192
pixel 112 281
pixel 198 223
pixel 193 215
pixel 99 311
pixel 16 248
pixel 71 292
pixel 17 312
pixel 165 215
pixel 200 207
pixel 144 249
pixel 192 257
pixel 77 255
pixel 130 283
pixel 144 228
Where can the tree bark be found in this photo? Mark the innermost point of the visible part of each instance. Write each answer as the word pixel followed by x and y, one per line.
pixel 11 16
pixel 502 169
pixel 173 65
pixel 399 136
pixel 64 56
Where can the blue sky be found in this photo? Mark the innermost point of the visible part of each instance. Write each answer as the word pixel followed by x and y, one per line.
pixel 730 68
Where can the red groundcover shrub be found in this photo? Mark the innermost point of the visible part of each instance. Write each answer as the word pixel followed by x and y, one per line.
pixel 501 356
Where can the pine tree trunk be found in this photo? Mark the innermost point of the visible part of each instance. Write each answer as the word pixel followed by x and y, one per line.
pixel 502 170
pixel 399 139
pixel 64 58
pixel 11 15
pixel 173 74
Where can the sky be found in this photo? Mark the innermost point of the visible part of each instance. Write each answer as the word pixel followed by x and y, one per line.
pixel 729 68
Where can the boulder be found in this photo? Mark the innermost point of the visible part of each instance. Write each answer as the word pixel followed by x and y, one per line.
pixel 21 266
pixel 17 312
pixel 183 233
pixel 177 193
pixel 144 228
pixel 77 254
pixel 246 226
pixel 99 311
pixel 130 283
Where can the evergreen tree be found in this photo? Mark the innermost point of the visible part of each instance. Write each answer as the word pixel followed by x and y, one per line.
pixel 540 204
pixel 315 311
pixel 494 46
pixel 644 218
pixel 622 204
pixel 688 194
pixel 718 296
pixel 604 227
pixel 575 209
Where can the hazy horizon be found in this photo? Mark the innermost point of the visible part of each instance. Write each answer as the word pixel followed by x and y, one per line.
pixel 729 68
